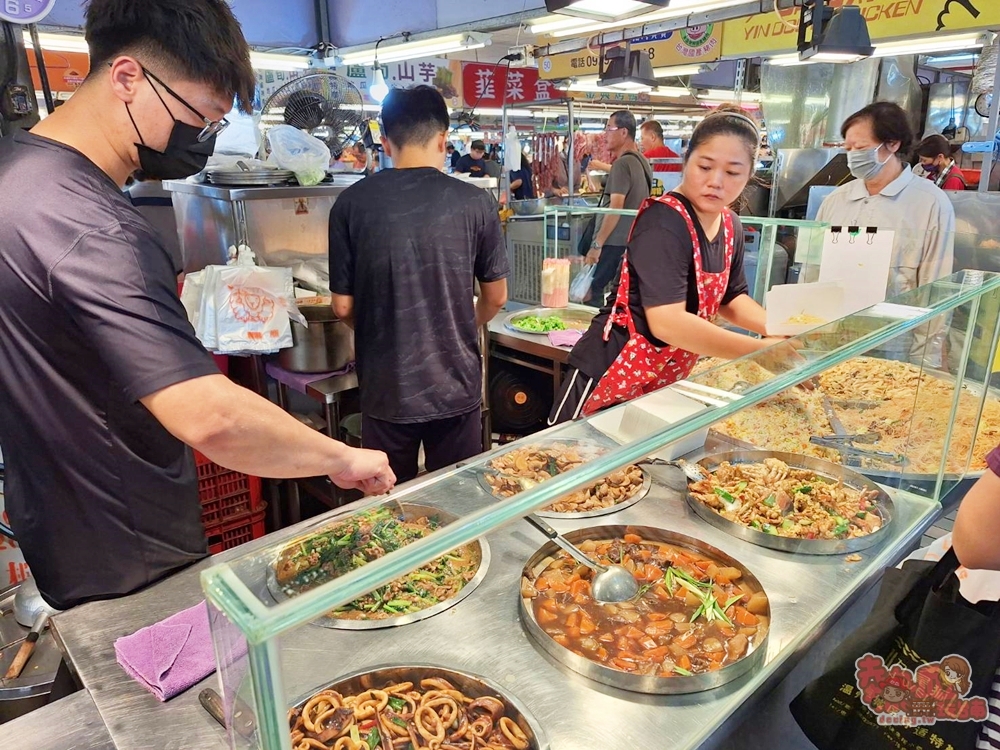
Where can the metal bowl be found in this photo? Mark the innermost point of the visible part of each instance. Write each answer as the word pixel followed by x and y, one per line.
pixel 822 468
pixel 649 684
pixel 574 318
pixel 410 512
pixel 473 686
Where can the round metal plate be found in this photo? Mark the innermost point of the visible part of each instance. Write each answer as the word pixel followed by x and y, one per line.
pixel 596 450
pixel 473 686
pixel 574 319
pixel 822 468
pixel 410 512
pixel 651 684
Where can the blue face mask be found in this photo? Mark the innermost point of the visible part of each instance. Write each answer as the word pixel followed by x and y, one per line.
pixel 864 165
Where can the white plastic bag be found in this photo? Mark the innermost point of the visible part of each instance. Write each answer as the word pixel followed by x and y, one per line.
pixel 300 152
pixel 580 288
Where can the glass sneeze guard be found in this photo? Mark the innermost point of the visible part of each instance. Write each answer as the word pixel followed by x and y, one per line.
pixel 261 621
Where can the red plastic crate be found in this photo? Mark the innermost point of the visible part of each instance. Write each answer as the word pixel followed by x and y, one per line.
pixel 236 531
pixel 224 493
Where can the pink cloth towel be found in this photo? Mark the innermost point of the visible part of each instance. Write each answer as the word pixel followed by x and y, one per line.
pixel 565 338
pixel 169 657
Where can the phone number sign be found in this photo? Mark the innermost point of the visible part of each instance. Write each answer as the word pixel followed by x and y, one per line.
pixel 25 11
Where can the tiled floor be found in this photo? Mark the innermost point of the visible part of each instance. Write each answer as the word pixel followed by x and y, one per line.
pixel 941 527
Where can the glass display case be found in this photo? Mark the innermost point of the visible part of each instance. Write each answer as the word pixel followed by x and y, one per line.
pixel 773 249
pixel 900 438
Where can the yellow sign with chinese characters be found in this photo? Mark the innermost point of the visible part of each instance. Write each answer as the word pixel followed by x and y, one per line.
pixel 691 46
pixel 768 33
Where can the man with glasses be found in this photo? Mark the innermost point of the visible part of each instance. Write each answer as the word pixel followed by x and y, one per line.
pixel 628 185
pixel 102 380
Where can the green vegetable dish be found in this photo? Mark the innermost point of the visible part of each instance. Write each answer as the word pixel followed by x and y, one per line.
pixel 346 546
pixel 539 324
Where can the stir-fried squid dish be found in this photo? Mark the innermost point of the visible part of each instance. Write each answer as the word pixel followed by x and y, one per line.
pixel 537 463
pixel 405 717
pixel 691 615
pixel 360 539
pixel 774 498
pixel 910 409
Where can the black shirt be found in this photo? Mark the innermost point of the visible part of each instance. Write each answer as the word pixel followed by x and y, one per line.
pixel 102 498
pixel 474 167
pixel 408 244
pixel 527 189
pixel 661 272
pixel 453 159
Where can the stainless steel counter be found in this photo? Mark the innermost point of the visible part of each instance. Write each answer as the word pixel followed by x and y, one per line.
pixel 483 635
pixel 72 723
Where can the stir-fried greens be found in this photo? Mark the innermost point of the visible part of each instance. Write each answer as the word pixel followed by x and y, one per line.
pixel 777 499
pixel 368 536
pixel 540 324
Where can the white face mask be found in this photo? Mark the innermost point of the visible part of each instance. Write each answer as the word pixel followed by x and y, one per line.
pixel 864 165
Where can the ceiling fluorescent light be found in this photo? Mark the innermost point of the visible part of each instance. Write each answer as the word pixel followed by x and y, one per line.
pixel 603 10
pixel 677 9
pixel 498 112
pixel 424 48
pixel 950 43
pixel 678 70
pixel 725 95
pixel 828 35
pixel 59 42
pixel 270 61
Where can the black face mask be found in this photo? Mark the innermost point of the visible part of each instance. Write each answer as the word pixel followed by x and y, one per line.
pixel 183 156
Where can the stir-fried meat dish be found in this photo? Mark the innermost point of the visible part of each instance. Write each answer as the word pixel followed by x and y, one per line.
pixel 538 463
pixel 691 615
pixel 401 716
pixel 776 499
pixel 348 545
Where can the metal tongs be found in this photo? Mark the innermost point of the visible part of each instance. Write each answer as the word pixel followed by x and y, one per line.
pixel 847 444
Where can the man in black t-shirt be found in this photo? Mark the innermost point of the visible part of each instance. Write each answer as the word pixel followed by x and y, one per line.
pixel 453 156
pixel 406 248
pixel 102 380
pixel 474 162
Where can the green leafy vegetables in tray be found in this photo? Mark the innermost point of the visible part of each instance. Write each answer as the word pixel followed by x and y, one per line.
pixel 540 324
pixel 346 546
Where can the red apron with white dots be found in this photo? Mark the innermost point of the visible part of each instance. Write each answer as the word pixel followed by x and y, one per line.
pixel 641 367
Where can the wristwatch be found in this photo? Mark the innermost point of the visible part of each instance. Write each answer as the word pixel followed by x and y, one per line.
pixel 595 245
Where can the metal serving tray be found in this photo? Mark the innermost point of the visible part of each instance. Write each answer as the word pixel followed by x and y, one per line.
pixel 471 685
pixel 586 447
pixel 822 468
pixel 651 684
pixel 410 512
pixel 574 318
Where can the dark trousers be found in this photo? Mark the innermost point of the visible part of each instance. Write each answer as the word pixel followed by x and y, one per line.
pixel 446 441
pixel 607 269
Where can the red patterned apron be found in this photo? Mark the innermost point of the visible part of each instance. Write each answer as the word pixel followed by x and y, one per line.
pixel 641 367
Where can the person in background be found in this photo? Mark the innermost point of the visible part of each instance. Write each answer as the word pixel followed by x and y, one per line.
pixel 453 156
pixel 493 166
pixel 886 194
pixel 104 384
pixel 684 265
pixel 521 183
pixel 403 276
pixel 474 162
pixel 653 146
pixel 629 183
pixel 935 157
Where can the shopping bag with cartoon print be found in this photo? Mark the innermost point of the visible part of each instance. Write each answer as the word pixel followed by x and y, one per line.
pixel 916 675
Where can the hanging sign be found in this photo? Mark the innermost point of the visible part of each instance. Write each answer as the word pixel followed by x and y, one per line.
pixel 697 44
pixel 489 85
pixel 768 33
pixel 25 11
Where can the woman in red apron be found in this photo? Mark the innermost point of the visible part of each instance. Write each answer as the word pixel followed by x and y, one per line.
pixel 683 266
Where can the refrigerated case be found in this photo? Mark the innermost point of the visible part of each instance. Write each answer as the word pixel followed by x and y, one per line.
pixel 273 654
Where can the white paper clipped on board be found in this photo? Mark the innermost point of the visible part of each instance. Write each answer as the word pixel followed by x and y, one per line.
pixel 860 258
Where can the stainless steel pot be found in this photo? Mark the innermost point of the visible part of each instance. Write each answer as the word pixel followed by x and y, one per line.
pixel 325 346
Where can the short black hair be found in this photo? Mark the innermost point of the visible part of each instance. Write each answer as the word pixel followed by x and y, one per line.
pixel 625 119
pixel 653 127
pixel 934 145
pixel 414 116
pixel 196 40
pixel 889 123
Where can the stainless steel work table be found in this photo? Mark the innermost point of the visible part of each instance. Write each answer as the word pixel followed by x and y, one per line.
pixel 72 723
pixel 483 635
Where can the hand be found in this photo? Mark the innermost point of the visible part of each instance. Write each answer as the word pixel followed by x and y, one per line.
pixel 365 470
pixel 593 255
pixel 779 354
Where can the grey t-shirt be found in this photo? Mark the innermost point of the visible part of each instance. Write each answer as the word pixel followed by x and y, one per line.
pixel 102 498
pixel 630 176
